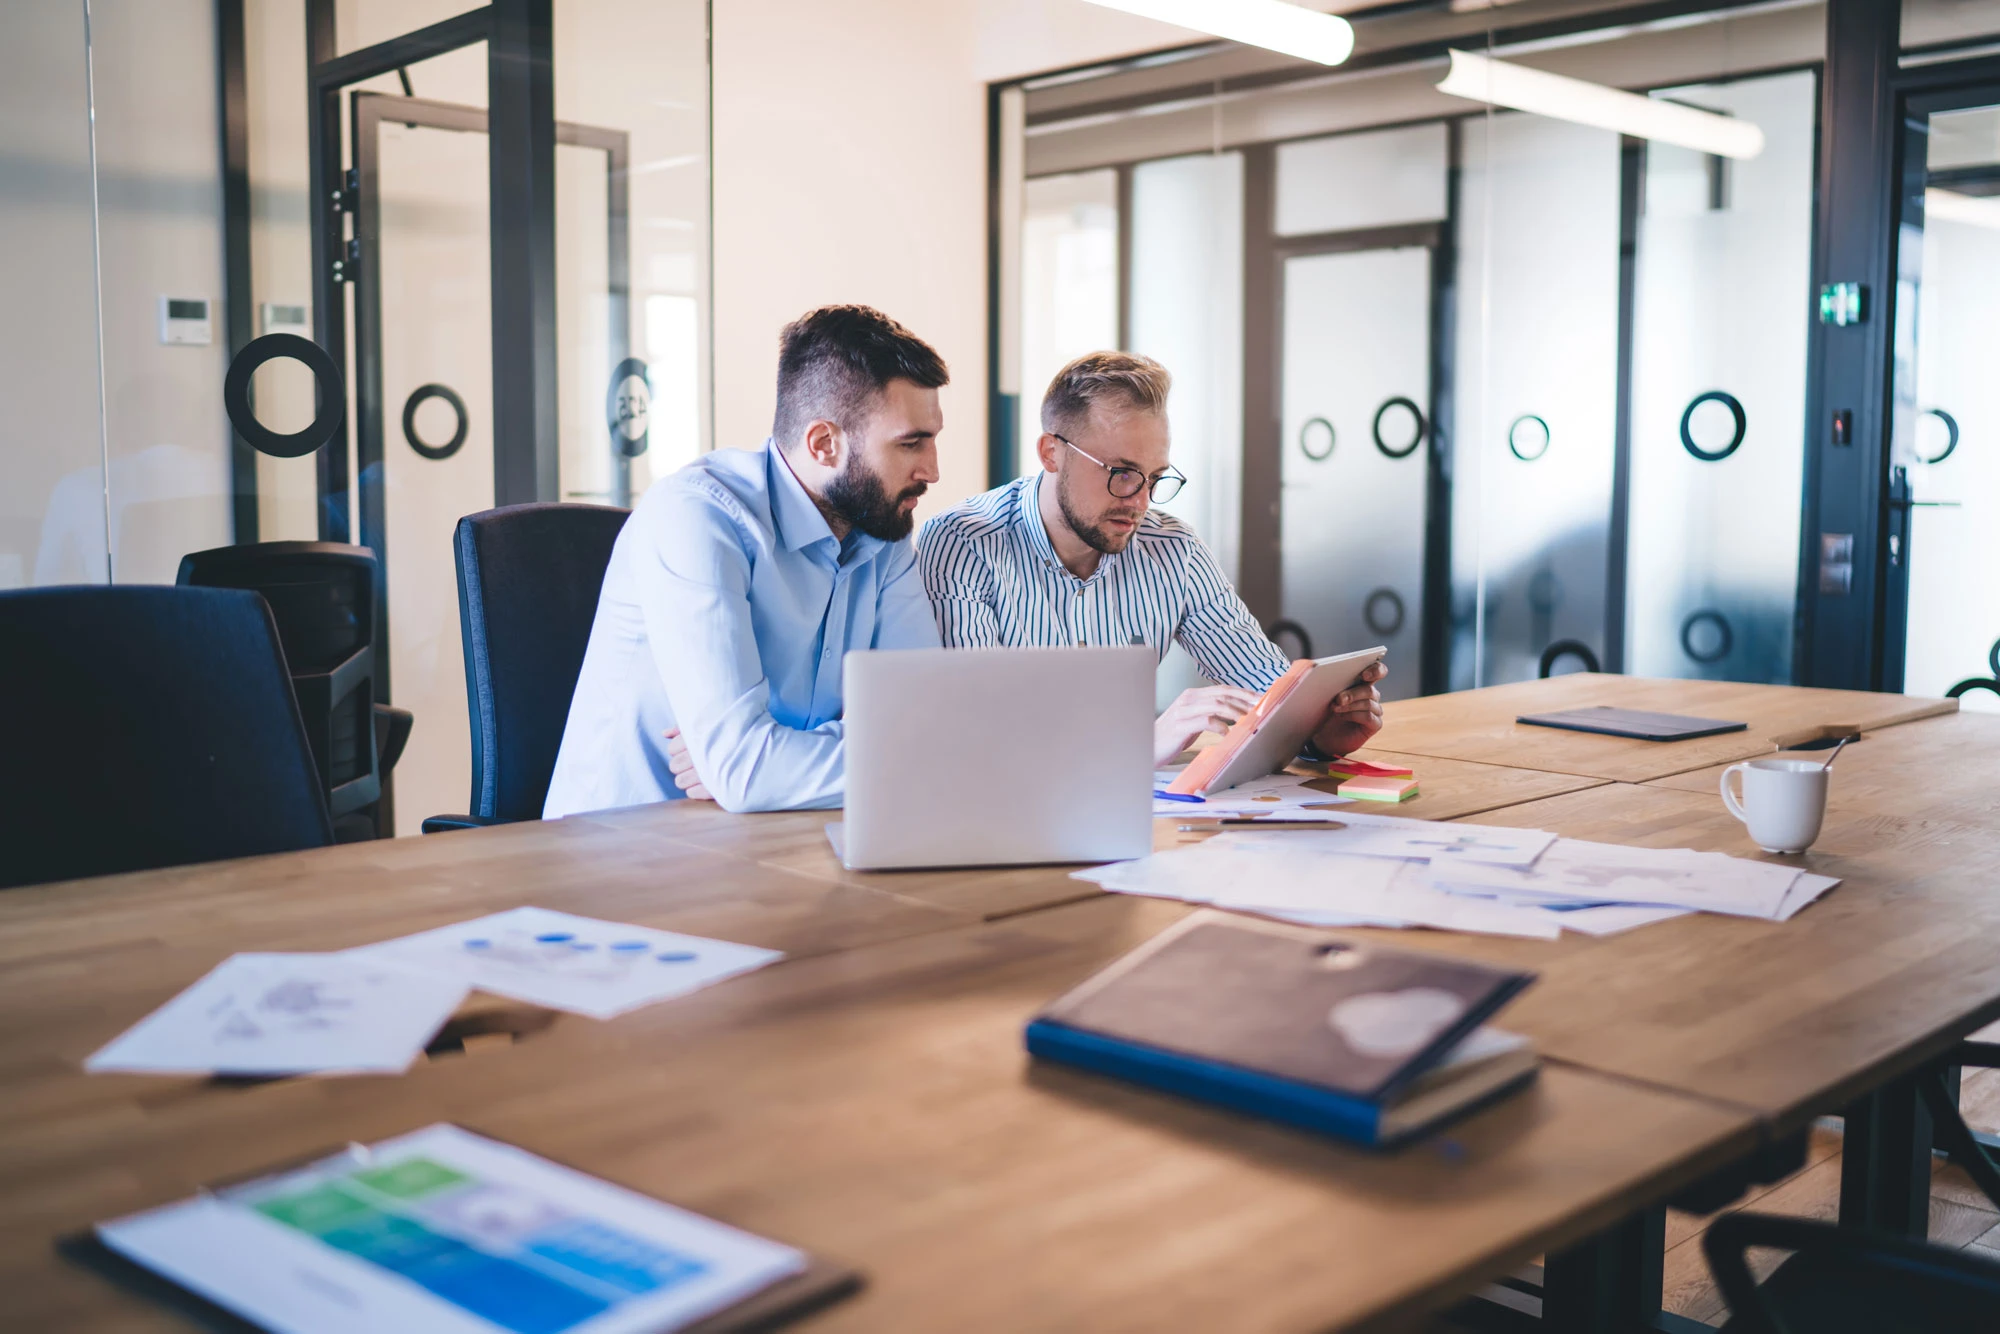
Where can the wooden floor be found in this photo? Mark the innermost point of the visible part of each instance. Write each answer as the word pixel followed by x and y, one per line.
pixel 1960 1215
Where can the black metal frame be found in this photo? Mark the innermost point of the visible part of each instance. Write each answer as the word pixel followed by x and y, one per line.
pixel 1921 94
pixel 368 112
pixel 238 318
pixel 521 211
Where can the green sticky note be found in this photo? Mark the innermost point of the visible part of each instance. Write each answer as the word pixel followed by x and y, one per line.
pixel 317 1211
pixel 410 1178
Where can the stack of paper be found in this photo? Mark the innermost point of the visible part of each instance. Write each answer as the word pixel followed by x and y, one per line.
pixel 373 1009
pixel 1378 870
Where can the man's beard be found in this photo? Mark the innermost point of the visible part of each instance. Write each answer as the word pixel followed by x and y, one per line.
pixel 857 495
pixel 1093 536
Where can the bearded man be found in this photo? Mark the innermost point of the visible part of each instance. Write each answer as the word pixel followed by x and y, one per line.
pixel 740 581
pixel 1075 554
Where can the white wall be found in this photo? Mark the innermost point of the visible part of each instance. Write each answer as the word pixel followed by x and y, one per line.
pixel 850 165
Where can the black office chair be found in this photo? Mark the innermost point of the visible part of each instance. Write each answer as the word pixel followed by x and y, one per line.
pixel 322 595
pixel 144 726
pixel 528 579
pixel 1843 1281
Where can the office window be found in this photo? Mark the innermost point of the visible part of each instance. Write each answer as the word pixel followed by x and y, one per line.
pixel 1069 285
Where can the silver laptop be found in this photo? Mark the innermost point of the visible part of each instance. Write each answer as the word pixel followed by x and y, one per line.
pixel 991 757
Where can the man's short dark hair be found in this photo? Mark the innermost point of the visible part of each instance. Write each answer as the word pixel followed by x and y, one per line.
pixel 834 361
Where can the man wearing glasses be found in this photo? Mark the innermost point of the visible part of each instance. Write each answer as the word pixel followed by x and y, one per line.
pixel 1074 555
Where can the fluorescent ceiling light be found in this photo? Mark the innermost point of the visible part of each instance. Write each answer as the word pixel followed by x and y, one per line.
pixel 1500 83
pixel 1274 25
pixel 1952 206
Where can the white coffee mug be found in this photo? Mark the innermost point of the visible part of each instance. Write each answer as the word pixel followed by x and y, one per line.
pixel 1783 801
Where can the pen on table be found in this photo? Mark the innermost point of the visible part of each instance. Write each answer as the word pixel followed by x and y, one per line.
pixel 1251 822
pixel 1162 795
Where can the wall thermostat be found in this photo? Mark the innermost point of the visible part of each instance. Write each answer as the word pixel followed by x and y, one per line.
pixel 184 319
pixel 277 317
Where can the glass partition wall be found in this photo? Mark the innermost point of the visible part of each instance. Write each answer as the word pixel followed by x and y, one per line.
pixel 1519 396
pixel 149 258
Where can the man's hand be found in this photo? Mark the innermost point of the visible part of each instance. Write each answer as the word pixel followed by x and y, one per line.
pixel 682 764
pixel 1354 716
pixel 1202 709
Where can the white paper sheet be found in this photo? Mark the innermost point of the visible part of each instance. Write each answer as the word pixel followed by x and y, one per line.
pixel 1280 796
pixel 454 1234
pixel 1575 871
pixel 289 1014
pixel 1434 841
pixel 1804 890
pixel 1284 875
pixel 1609 919
pixel 566 962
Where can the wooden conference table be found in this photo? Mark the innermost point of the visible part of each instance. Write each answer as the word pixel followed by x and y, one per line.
pixel 868 1096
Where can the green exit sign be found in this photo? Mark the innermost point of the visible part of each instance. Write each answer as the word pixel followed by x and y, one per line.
pixel 1843 303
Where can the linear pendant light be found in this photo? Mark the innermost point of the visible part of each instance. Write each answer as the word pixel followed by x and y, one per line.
pixel 1503 84
pixel 1950 205
pixel 1275 25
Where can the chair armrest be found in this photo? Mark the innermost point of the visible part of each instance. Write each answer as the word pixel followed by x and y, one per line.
pixel 392 733
pixel 439 824
pixel 1729 1239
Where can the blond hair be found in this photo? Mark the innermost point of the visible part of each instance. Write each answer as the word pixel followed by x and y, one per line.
pixel 1132 382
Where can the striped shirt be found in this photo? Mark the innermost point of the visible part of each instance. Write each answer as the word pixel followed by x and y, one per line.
pixel 994 580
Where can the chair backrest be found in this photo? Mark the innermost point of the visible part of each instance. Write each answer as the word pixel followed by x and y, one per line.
pixel 528 580
pixel 322 597
pixel 146 726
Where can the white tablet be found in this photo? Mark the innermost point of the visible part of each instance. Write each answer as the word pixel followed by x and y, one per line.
pixel 1279 738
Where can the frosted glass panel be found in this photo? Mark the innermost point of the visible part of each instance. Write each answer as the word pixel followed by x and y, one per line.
pixel 1356 353
pixel 160 214
pixel 1069 284
pixel 1948 430
pixel 1720 338
pixel 51 457
pixel 1349 181
pixel 1187 313
pixel 1536 409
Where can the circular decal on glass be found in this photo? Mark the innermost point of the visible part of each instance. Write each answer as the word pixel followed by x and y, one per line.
pixel 1316 439
pixel 418 397
pixel 1568 648
pixel 1528 437
pixel 331 395
pixel 1951 433
pixel 1739 423
pixel 1415 427
pixel 1722 637
pixel 1383 612
pixel 628 408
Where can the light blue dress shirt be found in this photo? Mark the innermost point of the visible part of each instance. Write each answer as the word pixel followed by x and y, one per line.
pixel 994 577
pixel 726 610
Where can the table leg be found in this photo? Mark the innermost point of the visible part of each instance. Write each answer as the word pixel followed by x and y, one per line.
pixel 1885 1161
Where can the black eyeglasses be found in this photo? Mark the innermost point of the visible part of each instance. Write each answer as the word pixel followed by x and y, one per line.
pixel 1125 483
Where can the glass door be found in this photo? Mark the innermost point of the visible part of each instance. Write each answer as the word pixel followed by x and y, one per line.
pixel 1944 465
pixel 1356 392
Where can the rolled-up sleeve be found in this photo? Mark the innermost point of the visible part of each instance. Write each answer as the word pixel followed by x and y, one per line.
pixel 694 588
pixel 959 584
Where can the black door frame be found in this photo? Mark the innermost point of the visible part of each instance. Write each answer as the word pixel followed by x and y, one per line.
pixel 520 93
pixel 1965 86
pixel 368 111
pixel 1852 598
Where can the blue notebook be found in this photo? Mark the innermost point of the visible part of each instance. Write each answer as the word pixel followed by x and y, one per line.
pixel 1371 1045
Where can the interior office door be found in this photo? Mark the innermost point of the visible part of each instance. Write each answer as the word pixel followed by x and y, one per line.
pixel 1943 540
pixel 424 429
pixel 1355 396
